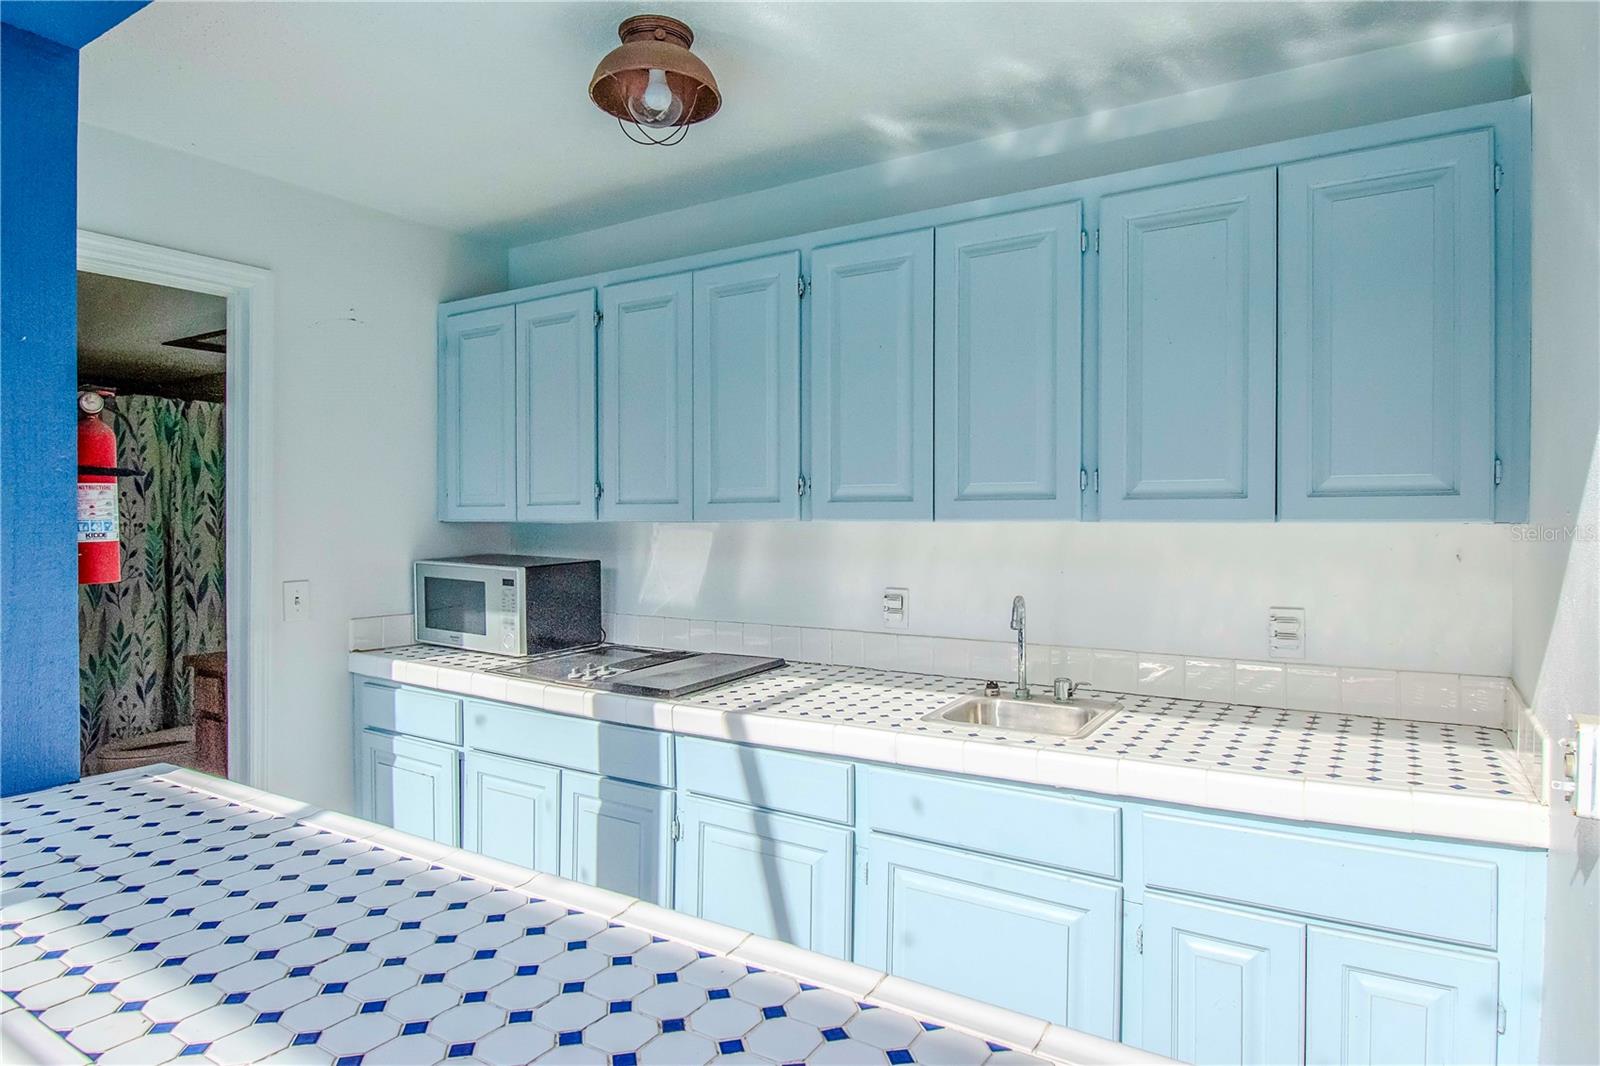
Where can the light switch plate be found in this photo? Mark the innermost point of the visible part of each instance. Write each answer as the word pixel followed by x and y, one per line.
pixel 1286 632
pixel 296 601
pixel 896 608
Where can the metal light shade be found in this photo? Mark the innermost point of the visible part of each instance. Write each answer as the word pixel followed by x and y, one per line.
pixel 655 42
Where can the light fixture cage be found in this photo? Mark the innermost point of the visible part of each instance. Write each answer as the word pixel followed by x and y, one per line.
pixel 654 42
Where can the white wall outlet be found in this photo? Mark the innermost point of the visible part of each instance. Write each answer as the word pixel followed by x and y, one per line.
pixel 1286 632
pixel 896 608
pixel 296 601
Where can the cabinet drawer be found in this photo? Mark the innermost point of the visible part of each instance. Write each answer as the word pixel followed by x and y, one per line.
pixel 1439 896
pixel 575 743
pixel 1038 827
pixel 404 710
pixel 774 780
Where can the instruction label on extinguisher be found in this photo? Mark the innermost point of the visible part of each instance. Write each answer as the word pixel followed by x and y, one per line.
pixel 97 512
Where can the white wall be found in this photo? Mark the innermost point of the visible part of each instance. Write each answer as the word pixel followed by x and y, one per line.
pixel 353 424
pixel 1390 83
pixel 1417 597
pixel 1556 638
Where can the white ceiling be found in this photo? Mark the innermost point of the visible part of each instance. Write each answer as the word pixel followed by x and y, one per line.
pixel 475 118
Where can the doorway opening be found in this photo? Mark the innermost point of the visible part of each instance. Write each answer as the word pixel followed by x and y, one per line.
pixel 152 607
pixel 161 376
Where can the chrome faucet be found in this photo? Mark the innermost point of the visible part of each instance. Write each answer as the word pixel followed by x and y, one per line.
pixel 1019 622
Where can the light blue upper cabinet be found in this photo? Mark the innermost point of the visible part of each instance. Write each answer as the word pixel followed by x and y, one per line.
pixel 772 874
pixel 747 389
pixel 1372 1000
pixel 1008 355
pixel 647 400
pixel 617 835
pixel 1221 985
pixel 871 366
pixel 1188 349
pixel 478 417
pixel 1019 936
pixel 556 474
pixel 1387 340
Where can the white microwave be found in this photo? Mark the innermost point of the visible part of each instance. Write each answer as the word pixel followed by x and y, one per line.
pixel 507 604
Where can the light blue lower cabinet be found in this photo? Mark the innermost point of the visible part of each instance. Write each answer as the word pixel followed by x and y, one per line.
pixel 617 835
pixel 774 874
pixel 1221 985
pixel 1019 936
pixel 511 810
pixel 412 785
pixel 1371 999
pixel 1211 938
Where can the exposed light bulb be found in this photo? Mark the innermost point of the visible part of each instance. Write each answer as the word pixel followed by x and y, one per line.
pixel 657 95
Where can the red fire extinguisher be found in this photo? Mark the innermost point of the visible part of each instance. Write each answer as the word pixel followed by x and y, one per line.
pixel 99 544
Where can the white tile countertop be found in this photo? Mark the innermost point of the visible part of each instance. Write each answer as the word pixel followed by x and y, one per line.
pixel 1434 779
pixel 161 915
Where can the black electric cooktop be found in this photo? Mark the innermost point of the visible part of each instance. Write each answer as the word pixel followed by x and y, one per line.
pixel 641 671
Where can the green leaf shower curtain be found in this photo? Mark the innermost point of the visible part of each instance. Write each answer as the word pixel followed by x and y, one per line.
pixel 134 634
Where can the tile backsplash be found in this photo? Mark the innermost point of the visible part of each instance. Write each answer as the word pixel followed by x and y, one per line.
pixel 1468 699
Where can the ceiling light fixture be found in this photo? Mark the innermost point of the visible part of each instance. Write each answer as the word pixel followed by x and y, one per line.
pixel 653 83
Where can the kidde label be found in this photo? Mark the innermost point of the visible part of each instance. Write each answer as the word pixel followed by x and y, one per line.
pixel 97 512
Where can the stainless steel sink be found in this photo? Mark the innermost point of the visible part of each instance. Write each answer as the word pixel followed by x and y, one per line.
pixel 1076 717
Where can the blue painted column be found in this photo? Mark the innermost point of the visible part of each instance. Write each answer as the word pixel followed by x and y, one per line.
pixel 39 45
pixel 38 441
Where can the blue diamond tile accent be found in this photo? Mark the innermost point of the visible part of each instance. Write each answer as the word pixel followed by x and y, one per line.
pixel 413 1028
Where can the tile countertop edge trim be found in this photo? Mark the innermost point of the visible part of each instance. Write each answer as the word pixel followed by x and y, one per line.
pixel 26 1039
pixel 1023 1032
pixel 1515 823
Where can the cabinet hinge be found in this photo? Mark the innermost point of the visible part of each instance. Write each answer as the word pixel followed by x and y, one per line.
pixel 599 317
pixel 802 485
pixel 1500 1018
pixel 1499 470
pixel 802 286
pixel 677 829
pixel 1138 940
pixel 1083 240
pixel 1499 177
pixel 599 490
pixel 1083 480
pixel 1097 242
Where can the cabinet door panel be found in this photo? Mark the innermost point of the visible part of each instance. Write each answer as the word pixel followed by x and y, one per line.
pixel 1188 349
pixel 1017 936
pixel 511 810
pixel 478 417
pixel 617 835
pixel 871 397
pixel 1387 332
pixel 773 874
pixel 747 389
pixel 1221 986
pixel 646 400
pixel 409 784
pixel 555 408
pixel 1008 353
pixel 1372 1000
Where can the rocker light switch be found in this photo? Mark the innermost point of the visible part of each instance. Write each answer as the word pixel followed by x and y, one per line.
pixel 1286 632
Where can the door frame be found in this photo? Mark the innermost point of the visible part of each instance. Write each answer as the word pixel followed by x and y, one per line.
pixel 248 477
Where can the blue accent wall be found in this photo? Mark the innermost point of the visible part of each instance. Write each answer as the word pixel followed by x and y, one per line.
pixel 38 371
